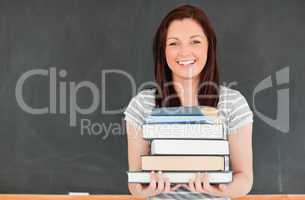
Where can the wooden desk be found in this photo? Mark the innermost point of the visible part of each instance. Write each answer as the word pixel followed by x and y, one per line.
pixel 128 197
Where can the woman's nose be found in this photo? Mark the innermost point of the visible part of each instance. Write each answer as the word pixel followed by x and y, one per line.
pixel 184 50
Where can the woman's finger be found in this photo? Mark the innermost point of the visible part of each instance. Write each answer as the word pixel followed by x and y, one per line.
pixel 152 184
pixel 198 183
pixel 138 187
pixel 206 185
pixel 167 186
pixel 222 187
pixel 176 187
pixel 192 185
pixel 205 180
pixel 160 183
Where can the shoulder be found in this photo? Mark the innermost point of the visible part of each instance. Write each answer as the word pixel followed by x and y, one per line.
pixel 146 98
pixel 140 106
pixel 234 106
pixel 230 97
pixel 229 92
pixel 147 94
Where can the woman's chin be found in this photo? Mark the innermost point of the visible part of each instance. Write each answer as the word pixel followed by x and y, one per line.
pixel 186 75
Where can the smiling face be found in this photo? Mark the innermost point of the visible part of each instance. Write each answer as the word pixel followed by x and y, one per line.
pixel 186 48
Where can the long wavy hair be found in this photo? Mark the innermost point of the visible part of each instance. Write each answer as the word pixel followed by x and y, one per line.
pixel 166 95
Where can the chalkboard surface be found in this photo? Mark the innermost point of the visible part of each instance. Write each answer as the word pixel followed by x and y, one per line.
pixel 66 74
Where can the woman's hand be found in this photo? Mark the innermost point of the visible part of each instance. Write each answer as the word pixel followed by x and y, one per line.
pixel 201 184
pixel 158 183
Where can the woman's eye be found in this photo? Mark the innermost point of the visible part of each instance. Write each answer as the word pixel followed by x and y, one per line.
pixel 195 42
pixel 172 44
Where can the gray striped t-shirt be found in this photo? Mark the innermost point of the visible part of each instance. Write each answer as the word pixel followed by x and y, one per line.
pixel 233 110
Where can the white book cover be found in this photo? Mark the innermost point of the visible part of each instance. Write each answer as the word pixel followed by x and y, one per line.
pixel 189 147
pixel 180 177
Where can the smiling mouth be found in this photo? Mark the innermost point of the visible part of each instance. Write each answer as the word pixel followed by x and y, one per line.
pixel 186 63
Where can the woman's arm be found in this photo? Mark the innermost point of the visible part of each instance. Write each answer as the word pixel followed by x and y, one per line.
pixel 137 146
pixel 240 143
pixel 241 161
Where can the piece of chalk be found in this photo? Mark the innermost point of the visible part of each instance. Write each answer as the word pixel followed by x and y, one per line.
pixel 79 193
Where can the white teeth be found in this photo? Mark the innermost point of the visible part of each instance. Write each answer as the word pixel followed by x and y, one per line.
pixel 186 62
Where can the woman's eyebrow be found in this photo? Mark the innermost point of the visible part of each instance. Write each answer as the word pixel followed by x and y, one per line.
pixel 172 38
pixel 198 35
pixel 202 36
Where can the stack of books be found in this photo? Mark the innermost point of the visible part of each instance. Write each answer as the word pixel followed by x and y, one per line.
pixel 185 141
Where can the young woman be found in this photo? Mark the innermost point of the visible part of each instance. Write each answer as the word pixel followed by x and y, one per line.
pixel 186 74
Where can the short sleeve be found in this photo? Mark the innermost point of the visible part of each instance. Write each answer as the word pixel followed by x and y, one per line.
pixel 134 111
pixel 240 113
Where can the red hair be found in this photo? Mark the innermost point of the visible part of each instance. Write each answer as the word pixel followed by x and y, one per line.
pixel 209 77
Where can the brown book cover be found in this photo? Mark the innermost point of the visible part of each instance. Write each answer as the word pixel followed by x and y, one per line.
pixel 185 163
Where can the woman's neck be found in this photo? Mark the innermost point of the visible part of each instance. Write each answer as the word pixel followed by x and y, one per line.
pixel 187 90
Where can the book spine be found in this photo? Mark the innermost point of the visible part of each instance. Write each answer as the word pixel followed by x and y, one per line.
pixel 226 163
